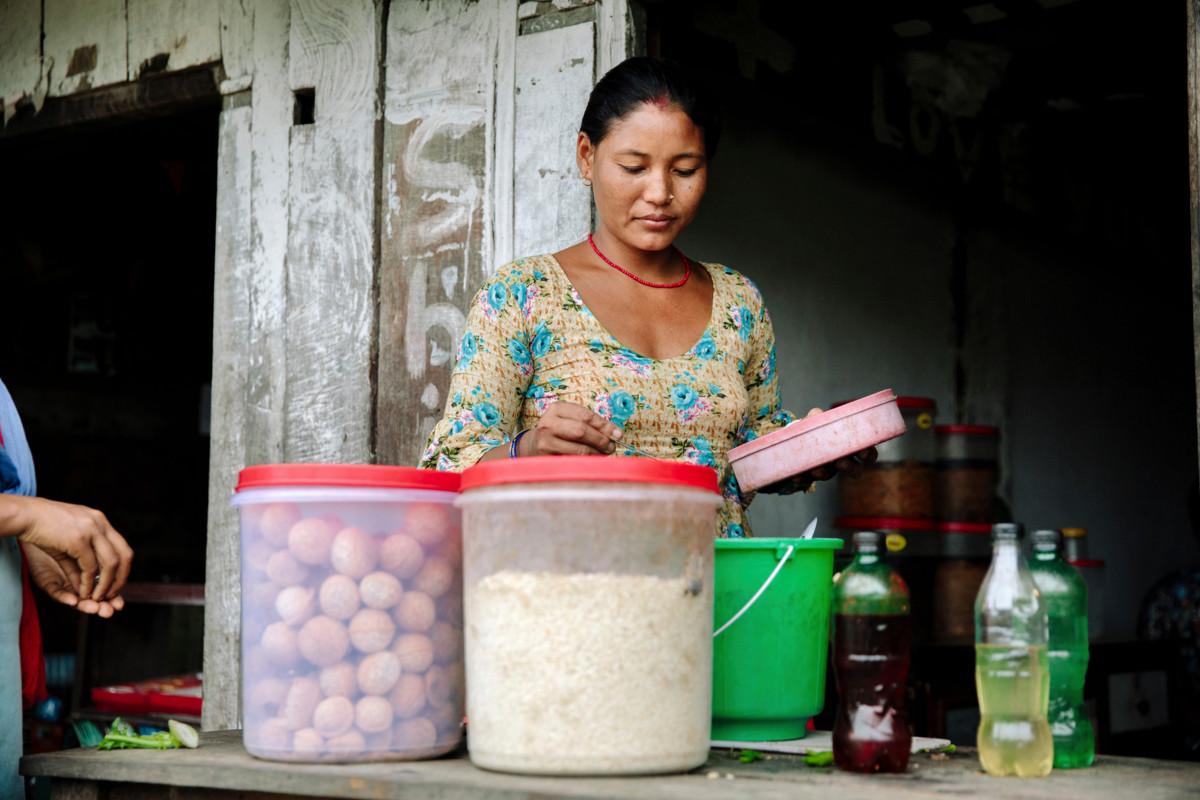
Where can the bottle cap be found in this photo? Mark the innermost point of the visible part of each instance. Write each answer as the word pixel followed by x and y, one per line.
pixel 866 542
pixel 1006 530
pixel 1074 533
pixel 1045 540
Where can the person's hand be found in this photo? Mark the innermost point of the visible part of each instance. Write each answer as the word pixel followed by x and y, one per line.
pixel 49 575
pixel 94 558
pixel 570 429
pixel 851 465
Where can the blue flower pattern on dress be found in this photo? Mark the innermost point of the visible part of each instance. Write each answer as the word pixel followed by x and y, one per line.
pixel 530 341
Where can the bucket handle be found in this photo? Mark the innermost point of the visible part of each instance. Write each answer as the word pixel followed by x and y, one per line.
pixel 770 578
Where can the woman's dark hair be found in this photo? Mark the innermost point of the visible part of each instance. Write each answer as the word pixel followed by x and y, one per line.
pixel 642 79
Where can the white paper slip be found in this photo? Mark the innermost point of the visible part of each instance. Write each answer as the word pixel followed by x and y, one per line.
pixel 819 742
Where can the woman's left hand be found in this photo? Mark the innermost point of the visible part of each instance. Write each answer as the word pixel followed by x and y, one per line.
pixel 851 465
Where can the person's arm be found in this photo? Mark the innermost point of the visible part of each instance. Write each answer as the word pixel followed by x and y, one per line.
pixel 73 551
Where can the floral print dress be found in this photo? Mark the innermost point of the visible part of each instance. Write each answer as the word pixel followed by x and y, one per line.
pixel 531 341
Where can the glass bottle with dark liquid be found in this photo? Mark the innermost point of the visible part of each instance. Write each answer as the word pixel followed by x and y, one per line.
pixel 871 649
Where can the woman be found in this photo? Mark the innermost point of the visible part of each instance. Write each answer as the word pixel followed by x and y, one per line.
pixel 621 344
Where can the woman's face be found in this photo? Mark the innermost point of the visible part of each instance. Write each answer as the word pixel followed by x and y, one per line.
pixel 648 175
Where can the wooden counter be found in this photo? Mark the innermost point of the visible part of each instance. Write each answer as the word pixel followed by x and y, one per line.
pixel 221 769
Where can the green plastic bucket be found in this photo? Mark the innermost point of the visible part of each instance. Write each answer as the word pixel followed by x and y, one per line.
pixel 769 664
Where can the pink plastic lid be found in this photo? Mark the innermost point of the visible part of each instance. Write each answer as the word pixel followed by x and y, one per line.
pixel 588 469
pixel 371 476
pixel 801 427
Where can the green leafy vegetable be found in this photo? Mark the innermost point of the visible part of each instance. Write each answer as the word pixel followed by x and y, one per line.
pixel 749 756
pixel 122 736
pixel 823 759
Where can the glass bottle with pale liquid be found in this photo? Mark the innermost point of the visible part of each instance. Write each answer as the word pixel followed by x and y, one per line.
pixel 1012 676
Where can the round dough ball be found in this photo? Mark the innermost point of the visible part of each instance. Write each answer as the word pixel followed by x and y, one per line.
pixel 408 696
pixel 285 570
pixel 277 519
pixel 333 716
pixel 415 652
pixel 354 553
pixel 371 630
pixel 428 523
pixel 373 714
pixel 261 596
pixel 400 555
pixel 308 742
pixel 280 643
pixel 256 555
pixel 309 541
pixel 257 663
pixel 378 742
pixel 378 673
pixel 450 608
pixel 435 578
pixel 447 643
pixel 253 627
pixel 339 596
pixel 451 548
pixel 265 696
pixel 339 680
pixel 272 735
pixel 299 703
pixel 415 734
pixel 416 612
pixel 295 604
pixel 323 641
pixel 380 590
pixel 447 719
pixel 440 686
pixel 349 743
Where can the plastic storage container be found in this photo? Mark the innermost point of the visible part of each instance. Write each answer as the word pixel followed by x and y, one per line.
pixel 588 585
pixel 900 483
pixel 351 612
pixel 965 549
pixel 769 663
pixel 968 471
pixel 820 439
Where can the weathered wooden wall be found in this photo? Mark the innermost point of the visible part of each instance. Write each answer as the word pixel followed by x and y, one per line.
pixel 347 247
pixel 1193 83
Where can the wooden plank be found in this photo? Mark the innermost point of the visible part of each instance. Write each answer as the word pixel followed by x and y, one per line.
pixel 172 34
pixel 552 207
pixel 221 763
pixel 231 333
pixel 502 136
pixel 20 52
pixel 236 43
pixel 248 334
pixel 85 43
pixel 1193 80
pixel 333 49
pixel 435 157
pixel 617 37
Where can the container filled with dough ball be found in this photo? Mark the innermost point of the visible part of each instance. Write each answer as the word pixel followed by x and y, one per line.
pixel 352 613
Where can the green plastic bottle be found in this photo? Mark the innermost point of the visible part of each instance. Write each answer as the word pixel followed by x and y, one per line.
pixel 1064 594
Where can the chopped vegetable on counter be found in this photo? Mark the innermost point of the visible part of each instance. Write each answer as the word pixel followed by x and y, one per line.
pixel 122 736
pixel 822 759
pixel 749 756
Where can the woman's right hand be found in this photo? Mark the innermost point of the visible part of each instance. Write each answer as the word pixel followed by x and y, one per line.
pixel 569 429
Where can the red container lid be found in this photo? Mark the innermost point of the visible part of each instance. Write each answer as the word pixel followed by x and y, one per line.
pixel 916 402
pixel 969 430
pixel 981 528
pixel 1085 562
pixel 588 469
pixel 884 524
pixel 358 476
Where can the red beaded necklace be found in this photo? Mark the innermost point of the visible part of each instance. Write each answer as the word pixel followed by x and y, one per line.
pixel 687 269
